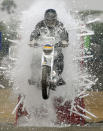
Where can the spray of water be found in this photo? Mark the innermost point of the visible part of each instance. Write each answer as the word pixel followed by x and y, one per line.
pixel 42 113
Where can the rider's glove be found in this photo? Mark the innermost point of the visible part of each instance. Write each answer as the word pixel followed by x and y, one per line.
pixel 64 44
pixel 33 43
pixel 57 45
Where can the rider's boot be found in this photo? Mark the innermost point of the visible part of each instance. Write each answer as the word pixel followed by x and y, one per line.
pixel 53 87
pixel 60 82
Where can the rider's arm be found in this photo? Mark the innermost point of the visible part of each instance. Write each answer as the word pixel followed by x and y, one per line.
pixel 34 36
pixel 64 38
pixel 64 35
pixel 33 43
pixel 36 33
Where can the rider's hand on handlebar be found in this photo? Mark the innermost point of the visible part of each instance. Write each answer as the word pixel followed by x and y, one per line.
pixel 64 44
pixel 33 45
pixel 61 44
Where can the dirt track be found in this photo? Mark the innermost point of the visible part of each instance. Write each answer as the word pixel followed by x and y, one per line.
pixel 93 103
pixel 7 104
pixel 72 128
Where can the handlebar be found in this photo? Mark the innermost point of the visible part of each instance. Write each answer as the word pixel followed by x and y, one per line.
pixel 59 44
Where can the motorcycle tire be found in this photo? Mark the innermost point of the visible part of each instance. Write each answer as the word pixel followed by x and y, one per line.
pixel 45 82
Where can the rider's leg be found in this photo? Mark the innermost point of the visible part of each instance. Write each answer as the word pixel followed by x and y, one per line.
pixel 59 66
pixel 59 63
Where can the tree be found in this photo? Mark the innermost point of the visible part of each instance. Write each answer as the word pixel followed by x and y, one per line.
pixel 97 38
pixel 96 65
pixel 86 13
pixel 8 31
pixel 9 6
pixel 98 33
pixel 4 41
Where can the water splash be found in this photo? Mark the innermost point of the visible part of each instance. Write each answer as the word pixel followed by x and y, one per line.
pixel 42 113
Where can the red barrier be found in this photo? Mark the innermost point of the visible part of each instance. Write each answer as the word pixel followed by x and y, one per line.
pixel 19 111
pixel 64 115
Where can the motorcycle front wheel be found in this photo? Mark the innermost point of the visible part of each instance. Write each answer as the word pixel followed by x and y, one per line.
pixel 45 82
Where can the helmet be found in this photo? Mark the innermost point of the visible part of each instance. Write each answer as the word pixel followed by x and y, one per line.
pixel 50 14
pixel 50 17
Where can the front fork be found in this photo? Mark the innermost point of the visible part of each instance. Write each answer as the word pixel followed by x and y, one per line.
pixel 48 60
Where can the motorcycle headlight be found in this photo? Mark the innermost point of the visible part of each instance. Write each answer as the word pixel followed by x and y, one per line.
pixel 47 49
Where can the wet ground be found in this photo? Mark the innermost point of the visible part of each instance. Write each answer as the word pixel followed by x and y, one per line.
pixel 93 103
pixel 8 101
pixel 8 127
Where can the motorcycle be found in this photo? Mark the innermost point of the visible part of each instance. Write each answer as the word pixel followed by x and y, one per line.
pixel 49 76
